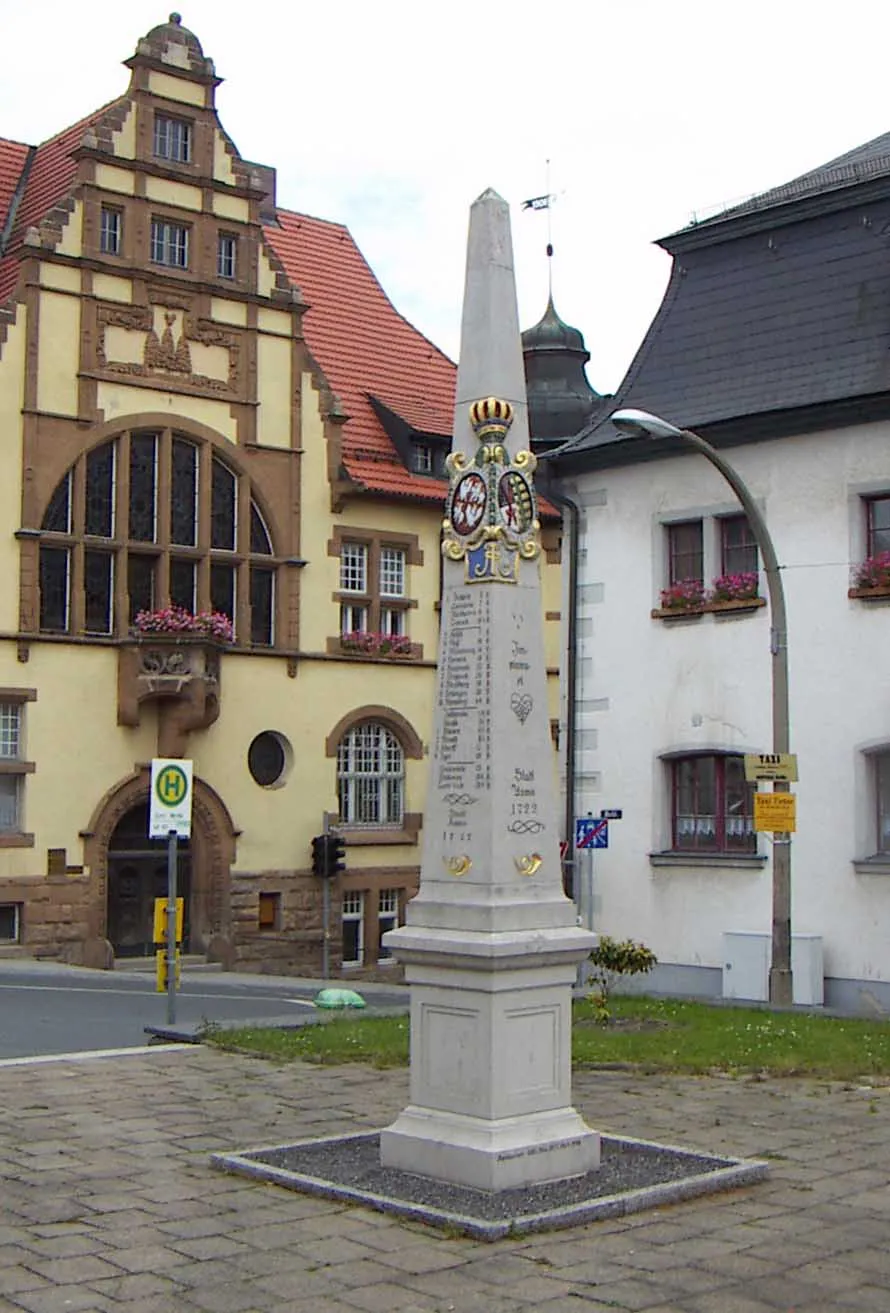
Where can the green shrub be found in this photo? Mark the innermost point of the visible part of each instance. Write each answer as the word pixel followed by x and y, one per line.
pixel 612 958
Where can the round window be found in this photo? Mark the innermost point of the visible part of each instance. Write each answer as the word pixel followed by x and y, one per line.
pixel 269 759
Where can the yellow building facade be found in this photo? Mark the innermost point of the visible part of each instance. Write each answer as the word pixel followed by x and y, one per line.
pixel 220 508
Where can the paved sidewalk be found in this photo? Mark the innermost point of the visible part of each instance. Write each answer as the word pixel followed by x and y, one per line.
pixel 107 1200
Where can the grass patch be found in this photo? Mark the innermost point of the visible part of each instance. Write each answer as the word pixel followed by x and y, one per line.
pixel 379 1041
pixel 652 1035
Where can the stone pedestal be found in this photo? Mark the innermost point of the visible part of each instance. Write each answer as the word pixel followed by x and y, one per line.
pixel 490 1059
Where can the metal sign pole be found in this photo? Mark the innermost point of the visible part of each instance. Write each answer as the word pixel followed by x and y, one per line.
pixel 171 927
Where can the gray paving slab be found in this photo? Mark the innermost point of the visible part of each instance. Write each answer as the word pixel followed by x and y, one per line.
pixel 159 1230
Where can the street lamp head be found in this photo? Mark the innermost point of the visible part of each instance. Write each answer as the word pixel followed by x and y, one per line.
pixel 640 424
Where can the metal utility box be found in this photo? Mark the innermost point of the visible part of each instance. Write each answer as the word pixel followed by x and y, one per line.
pixel 746 959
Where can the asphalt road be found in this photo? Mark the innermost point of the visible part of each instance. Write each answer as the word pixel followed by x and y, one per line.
pixel 47 1009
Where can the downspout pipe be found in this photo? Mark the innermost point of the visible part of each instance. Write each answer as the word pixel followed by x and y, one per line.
pixel 573 512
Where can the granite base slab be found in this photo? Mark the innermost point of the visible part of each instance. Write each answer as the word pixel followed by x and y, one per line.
pixel 633 1175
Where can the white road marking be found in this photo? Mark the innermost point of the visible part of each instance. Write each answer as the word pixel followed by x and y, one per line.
pixel 95 1053
pixel 100 989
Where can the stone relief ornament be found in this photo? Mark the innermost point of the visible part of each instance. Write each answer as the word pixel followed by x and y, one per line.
pixel 491 513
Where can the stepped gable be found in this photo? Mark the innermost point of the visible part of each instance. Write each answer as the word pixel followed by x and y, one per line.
pixel 50 179
pixel 365 349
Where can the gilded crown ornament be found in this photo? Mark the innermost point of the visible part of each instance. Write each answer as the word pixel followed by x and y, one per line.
pixel 491 515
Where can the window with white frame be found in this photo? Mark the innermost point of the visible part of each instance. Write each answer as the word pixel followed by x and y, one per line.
pixel 353 923
pixel 111 224
pixel 378 574
pixel 422 458
pixel 387 919
pixel 354 568
pixel 712 804
pixel 12 767
pixel 226 255
pixel 172 138
pixel 392 572
pixel 370 776
pixel 392 622
pixel 169 244
pixel 353 579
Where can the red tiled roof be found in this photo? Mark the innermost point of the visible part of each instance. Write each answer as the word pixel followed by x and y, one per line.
pixel 49 181
pixel 365 348
pixel 12 160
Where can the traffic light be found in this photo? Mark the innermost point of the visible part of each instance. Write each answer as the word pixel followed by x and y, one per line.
pixel 328 854
pixel 320 854
pixel 336 854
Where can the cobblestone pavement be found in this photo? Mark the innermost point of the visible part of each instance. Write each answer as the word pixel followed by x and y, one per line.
pixel 107 1199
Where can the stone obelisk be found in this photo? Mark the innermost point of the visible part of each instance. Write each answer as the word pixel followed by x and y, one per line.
pixel 491 944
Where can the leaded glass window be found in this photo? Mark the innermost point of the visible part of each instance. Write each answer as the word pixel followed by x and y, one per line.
pixel 54 563
pixel 58 513
pixel 184 493
pixel 222 589
pixel 259 534
pixel 159 552
pixel 140 584
pixel 262 608
pixel 370 776
pixel 223 508
pixel 99 520
pixel 98 576
pixel 143 487
pixel 182 584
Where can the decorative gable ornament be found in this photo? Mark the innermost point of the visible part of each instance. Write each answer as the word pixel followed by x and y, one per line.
pixel 491 513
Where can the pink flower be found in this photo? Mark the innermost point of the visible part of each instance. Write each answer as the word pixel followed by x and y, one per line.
pixel 177 620
pixel 874 572
pixel 685 595
pixel 735 587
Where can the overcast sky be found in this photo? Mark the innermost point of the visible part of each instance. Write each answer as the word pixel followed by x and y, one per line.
pixel 392 116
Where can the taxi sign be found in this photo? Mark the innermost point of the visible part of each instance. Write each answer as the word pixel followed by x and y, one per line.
pixel 776 812
pixel 171 798
pixel 771 766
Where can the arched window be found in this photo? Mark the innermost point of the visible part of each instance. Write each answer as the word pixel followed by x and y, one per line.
pixel 154 519
pixel 370 776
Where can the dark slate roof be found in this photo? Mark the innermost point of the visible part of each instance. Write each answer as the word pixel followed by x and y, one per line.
pixel 866 163
pixel 770 329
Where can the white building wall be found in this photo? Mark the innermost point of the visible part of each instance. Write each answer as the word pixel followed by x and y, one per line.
pixel 647 687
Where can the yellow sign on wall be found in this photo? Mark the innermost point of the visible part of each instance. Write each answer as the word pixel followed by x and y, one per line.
pixel 771 766
pixel 776 812
pixel 160 931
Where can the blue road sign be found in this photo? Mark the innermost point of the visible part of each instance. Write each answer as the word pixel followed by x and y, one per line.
pixel 591 832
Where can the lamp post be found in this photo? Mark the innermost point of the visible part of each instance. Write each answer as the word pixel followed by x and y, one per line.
pixel 641 423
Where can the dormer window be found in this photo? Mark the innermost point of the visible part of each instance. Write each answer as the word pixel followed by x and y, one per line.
pixel 422 458
pixel 172 139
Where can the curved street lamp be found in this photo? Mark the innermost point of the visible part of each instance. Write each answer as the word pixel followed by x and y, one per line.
pixel 640 423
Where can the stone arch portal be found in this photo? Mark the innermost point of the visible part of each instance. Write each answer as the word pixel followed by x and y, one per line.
pixel 211 852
